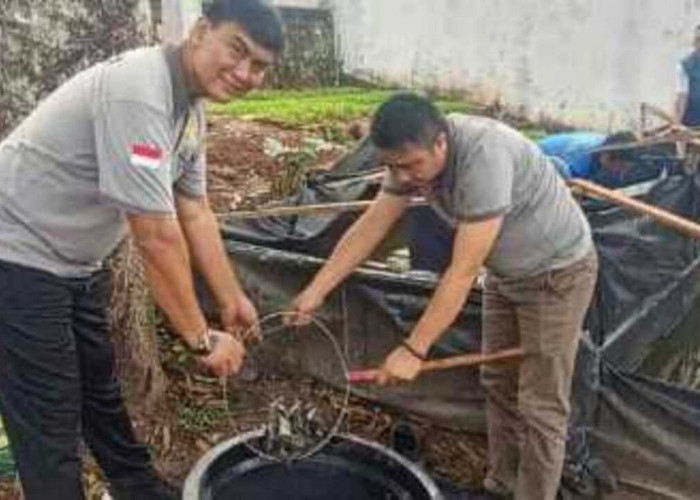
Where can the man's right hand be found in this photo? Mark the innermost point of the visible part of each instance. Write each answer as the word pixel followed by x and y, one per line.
pixel 353 248
pixel 226 356
pixel 305 306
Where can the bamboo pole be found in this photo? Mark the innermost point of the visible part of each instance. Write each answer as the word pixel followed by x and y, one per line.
pixel 658 112
pixel 673 136
pixel 587 188
pixel 668 119
pixel 475 359
pixel 348 206
pixel 664 217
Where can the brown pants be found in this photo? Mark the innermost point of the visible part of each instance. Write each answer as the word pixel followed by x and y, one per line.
pixel 528 406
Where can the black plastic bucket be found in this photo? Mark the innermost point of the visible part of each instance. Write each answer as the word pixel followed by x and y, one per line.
pixel 348 468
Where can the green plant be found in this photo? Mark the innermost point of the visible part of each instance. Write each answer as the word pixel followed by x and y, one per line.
pixel 201 418
pixel 295 108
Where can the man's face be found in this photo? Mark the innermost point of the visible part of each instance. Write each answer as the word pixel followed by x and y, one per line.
pixel 226 62
pixel 612 164
pixel 415 165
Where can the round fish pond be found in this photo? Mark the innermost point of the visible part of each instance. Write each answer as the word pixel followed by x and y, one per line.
pixel 348 468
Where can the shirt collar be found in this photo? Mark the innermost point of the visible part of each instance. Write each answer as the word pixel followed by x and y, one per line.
pixel 182 99
pixel 445 178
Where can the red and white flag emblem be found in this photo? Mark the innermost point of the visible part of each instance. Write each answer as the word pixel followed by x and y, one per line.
pixel 144 155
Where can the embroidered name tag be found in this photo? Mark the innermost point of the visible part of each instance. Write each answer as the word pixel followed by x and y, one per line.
pixel 144 155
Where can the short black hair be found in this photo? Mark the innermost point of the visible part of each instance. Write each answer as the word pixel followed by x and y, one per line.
pixel 406 118
pixel 620 138
pixel 258 18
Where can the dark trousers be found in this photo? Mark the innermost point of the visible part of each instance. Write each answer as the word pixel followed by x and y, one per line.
pixel 58 385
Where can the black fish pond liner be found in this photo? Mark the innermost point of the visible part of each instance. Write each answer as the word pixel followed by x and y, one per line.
pixel 348 468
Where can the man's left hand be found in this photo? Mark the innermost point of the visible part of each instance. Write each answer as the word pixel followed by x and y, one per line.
pixel 239 316
pixel 400 365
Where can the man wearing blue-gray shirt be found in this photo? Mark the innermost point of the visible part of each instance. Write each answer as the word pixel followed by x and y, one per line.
pixel 687 104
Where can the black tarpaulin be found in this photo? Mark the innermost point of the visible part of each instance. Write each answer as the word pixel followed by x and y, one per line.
pixel 626 428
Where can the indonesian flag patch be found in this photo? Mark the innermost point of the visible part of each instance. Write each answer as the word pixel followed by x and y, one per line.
pixel 144 155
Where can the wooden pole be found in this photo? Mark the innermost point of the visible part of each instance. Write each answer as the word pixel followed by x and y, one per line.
pixel 348 206
pixel 369 376
pixel 664 217
pixel 658 112
pixel 587 188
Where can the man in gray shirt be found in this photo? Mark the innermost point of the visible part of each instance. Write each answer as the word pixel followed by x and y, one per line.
pixel 511 213
pixel 117 148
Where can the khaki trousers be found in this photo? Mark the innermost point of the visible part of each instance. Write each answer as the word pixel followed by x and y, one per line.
pixel 528 405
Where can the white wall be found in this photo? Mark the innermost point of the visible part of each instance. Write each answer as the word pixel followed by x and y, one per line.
pixel 178 17
pixel 588 62
pixel 307 4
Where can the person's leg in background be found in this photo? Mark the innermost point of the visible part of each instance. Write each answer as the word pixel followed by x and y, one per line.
pixel 40 382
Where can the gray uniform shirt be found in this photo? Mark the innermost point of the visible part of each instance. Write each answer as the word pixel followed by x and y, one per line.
pixel 493 170
pixel 117 138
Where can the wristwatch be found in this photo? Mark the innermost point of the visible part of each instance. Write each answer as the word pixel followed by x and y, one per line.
pixel 204 345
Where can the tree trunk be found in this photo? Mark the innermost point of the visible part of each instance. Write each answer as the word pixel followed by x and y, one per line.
pixel 134 323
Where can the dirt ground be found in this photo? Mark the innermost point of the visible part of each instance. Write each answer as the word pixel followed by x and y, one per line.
pixel 241 176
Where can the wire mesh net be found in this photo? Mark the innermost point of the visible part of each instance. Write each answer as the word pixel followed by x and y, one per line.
pixel 272 393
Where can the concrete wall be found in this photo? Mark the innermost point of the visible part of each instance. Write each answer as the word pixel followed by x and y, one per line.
pixel 177 18
pixel 310 58
pixel 44 43
pixel 305 4
pixel 588 62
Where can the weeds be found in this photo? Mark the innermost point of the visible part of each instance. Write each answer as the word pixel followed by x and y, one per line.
pixel 294 162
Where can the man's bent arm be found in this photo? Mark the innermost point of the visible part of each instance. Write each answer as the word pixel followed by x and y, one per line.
pixel 359 241
pixel 473 243
pixel 167 264
pixel 203 237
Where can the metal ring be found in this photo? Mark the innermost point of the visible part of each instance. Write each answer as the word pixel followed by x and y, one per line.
pixel 346 372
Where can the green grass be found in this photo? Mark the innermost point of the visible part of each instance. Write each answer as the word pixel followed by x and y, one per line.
pixel 295 108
